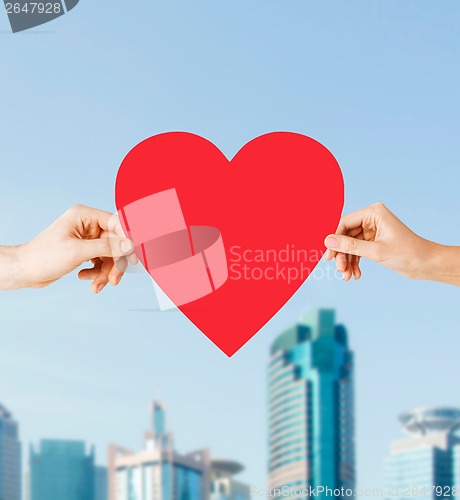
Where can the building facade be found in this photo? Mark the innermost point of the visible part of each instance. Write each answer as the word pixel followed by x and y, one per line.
pixel 311 419
pixel 62 470
pixel 100 483
pixel 427 463
pixel 10 457
pixel 159 472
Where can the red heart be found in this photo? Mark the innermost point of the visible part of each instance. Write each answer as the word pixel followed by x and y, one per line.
pixel 273 203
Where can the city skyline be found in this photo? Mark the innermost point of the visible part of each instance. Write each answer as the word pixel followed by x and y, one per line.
pixel 313 323
pixel 310 392
pixel 63 468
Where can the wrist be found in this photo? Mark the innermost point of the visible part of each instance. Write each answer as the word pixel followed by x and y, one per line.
pixel 12 269
pixel 441 264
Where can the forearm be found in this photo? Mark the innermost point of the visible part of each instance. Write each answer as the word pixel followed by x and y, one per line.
pixel 11 269
pixel 444 265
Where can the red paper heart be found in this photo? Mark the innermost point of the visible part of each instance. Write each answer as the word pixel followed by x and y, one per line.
pixel 273 203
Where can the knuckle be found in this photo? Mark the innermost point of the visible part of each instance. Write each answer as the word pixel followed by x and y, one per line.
pixel 75 209
pixel 106 246
pixel 379 207
pixel 350 245
pixel 114 223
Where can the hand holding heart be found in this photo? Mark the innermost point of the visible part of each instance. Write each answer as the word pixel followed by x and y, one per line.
pixel 377 234
pixel 81 234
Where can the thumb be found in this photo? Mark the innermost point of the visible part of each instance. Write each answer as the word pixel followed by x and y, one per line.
pixel 351 246
pixel 104 247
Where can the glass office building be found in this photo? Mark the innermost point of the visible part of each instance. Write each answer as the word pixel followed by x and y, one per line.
pixel 10 457
pixel 426 464
pixel 158 472
pixel 100 483
pixel 311 420
pixel 62 470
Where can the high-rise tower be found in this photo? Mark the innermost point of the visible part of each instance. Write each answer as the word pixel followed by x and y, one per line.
pixel 311 421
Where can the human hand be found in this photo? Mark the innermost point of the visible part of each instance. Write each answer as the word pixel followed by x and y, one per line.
pixel 377 234
pixel 81 234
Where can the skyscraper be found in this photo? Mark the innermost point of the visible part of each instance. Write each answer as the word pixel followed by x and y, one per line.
pixel 311 420
pixel 61 470
pixel 159 472
pixel 429 459
pixel 10 457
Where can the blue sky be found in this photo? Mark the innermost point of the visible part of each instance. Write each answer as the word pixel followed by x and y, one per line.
pixel 375 81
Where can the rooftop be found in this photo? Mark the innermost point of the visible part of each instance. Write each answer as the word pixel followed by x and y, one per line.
pixel 226 468
pixel 422 421
pixel 4 413
pixel 314 324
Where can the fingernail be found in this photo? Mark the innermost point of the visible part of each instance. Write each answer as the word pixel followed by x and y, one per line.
pixel 331 242
pixel 126 246
pixel 100 288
